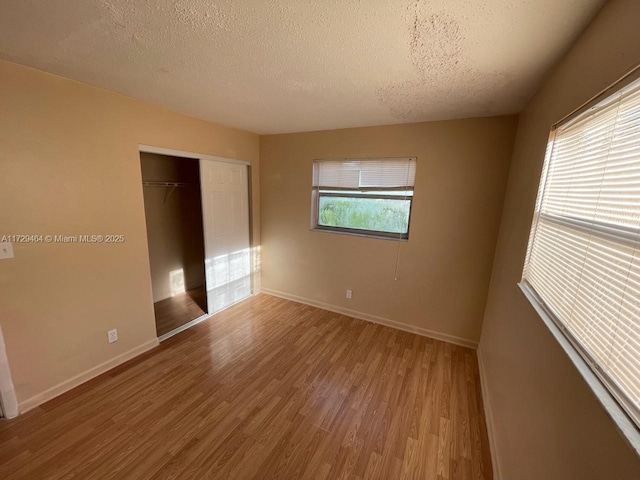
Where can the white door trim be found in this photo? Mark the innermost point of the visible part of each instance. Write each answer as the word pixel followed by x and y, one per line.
pixel 181 153
pixel 8 398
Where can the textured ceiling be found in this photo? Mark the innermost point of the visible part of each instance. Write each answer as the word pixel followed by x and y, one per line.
pixel 296 65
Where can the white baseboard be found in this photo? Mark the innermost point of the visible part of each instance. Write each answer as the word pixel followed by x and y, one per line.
pixel 374 319
pixel 489 418
pixel 85 376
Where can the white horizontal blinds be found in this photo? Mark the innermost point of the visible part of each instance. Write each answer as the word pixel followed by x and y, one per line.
pixel 355 174
pixel 595 173
pixel 584 254
pixel 536 213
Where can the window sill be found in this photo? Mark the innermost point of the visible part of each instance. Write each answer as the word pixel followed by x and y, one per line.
pixel 358 234
pixel 622 421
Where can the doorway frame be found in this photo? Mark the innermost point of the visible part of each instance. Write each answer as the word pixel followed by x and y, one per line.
pixel 8 398
pixel 142 148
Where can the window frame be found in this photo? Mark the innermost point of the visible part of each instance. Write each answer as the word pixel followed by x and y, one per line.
pixel 362 192
pixel 613 398
pixel 621 418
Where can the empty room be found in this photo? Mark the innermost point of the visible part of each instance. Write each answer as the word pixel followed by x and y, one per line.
pixel 320 239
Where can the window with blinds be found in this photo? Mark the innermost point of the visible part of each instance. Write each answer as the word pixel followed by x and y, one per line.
pixel 583 259
pixel 370 197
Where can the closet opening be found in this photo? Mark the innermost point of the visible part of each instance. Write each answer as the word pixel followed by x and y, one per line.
pixel 175 236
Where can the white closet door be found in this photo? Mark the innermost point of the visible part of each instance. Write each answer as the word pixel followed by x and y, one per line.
pixel 225 200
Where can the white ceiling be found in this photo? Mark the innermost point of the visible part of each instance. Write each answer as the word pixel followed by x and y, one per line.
pixel 273 66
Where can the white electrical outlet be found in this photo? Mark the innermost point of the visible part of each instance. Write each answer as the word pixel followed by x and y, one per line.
pixel 6 250
pixel 112 335
pixel 349 293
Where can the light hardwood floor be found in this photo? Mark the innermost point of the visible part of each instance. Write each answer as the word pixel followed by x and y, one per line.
pixel 266 389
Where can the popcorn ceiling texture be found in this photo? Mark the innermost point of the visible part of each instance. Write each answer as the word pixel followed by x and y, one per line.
pixel 438 57
pixel 272 66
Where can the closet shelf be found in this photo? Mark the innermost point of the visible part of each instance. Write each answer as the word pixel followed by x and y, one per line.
pixel 169 184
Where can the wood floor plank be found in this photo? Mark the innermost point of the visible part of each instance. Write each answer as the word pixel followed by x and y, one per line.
pixel 268 389
pixel 175 311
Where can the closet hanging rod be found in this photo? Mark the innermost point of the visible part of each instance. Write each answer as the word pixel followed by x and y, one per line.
pixel 169 184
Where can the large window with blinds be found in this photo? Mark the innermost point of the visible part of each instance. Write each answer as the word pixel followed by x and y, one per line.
pixel 370 196
pixel 583 261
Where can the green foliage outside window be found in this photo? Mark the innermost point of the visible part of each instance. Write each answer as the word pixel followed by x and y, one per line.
pixel 375 214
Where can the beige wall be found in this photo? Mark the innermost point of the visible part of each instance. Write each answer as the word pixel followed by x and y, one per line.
pixel 547 424
pixel 69 164
pixel 444 268
pixel 175 233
